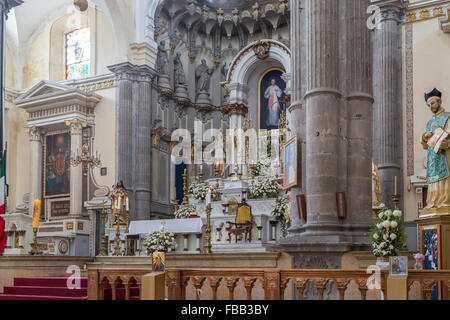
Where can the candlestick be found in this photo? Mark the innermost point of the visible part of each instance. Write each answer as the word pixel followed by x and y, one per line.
pixel 207 246
pixel 102 252
pixel 185 188
pixel 395 185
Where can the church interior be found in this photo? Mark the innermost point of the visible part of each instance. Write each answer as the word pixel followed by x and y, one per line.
pixel 225 149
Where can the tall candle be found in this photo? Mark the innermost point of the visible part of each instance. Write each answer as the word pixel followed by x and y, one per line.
pixel 208 197
pixel 36 213
pixel 395 189
pixel 120 202
pixel 126 204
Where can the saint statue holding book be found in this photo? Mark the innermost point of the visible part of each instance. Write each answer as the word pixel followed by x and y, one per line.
pixel 436 140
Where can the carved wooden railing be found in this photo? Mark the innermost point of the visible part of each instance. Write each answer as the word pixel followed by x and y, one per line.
pixel 121 284
pixel 275 281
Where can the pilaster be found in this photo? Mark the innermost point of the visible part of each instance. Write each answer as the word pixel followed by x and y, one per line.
pixel 36 138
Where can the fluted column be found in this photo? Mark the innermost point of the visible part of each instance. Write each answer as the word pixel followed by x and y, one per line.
pixel 358 88
pixel 296 113
pixel 133 135
pixel 76 172
pixel 322 111
pixel 5 7
pixel 36 136
pixel 387 88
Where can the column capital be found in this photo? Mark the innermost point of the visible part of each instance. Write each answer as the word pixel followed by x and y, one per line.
pixel 391 9
pixel 7 5
pixel 76 126
pixel 35 133
pixel 236 108
pixel 129 71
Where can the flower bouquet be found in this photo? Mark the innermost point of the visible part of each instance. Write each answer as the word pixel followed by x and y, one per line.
pixel 387 233
pixel 160 241
pixel 420 258
pixel 281 213
pixel 200 190
pixel 264 187
pixel 184 211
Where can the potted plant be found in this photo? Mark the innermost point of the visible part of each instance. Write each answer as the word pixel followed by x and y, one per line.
pixel 420 258
pixel 281 213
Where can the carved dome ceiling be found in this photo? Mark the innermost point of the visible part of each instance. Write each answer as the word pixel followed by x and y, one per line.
pixel 186 20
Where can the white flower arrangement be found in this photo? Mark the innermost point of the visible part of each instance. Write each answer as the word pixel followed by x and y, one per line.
pixel 281 212
pixel 387 233
pixel 264 187
pixel 160 241
pixel 200 190
pixel 184 211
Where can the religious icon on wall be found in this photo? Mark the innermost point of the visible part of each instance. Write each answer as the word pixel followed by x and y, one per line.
pixel 430 247
pixel 290 176
pixel 271 99
pixel 57 165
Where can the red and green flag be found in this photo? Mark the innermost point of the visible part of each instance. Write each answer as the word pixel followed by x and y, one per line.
pixel 3 236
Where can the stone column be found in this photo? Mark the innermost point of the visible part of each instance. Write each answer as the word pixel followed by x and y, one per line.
pixel 387 88
pixel 237 113
pixel 322 113
pixel 296 111
pixel 133 135
pixel 36 136
pixel 5 7
pixel 358 88
pixel 76 172
pixel 143 152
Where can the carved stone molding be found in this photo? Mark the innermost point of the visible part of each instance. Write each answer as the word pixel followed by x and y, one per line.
pixel 261 49
pixel 409 65
pixel 76 126
pixel 35 133
pixel 237 109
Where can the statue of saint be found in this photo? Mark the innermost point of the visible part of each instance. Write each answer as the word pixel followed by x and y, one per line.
pixel 180 77
pixel 162 60
pixel 437 142
pixel 376 189
pixel 203 77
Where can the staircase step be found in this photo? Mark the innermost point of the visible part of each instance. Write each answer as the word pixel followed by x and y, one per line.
pixel 31 297
pixel 46 282
pixel 45 291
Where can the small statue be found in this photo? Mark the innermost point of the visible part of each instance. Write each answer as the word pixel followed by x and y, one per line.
pixel 436 141
pixel 203 77
pixel 376 189
pixel 162 60
pixel 180 77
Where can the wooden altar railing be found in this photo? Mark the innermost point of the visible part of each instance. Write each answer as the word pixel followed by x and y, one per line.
pixel 274 281
pixel 125 284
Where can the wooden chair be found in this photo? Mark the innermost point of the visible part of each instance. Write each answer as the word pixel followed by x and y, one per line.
pixel 243 223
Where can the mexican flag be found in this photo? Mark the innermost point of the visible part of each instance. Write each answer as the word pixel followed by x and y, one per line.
pixel 3 236
pixel 3 185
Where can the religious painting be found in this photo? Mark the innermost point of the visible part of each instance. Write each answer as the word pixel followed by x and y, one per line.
pixel 290 173
pixel 57 165
pixel 430 247
pixel 271 99
pixel 398 266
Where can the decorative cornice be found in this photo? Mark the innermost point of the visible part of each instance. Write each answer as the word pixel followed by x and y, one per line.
pixel 426 10
pixel 237 109
pixel 445 21
pixel 129 71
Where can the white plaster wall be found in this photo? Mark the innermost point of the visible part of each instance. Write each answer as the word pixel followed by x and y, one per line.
pixel 431 52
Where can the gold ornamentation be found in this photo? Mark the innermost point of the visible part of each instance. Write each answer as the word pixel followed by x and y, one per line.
pixel 208 246
pixel 236 108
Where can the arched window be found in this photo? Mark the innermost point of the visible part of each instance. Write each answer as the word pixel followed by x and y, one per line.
pixel 78 53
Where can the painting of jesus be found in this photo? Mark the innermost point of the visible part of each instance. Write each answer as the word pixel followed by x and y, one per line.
pixel 271 99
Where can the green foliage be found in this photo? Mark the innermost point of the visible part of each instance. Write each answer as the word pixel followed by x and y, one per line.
pixel 387 234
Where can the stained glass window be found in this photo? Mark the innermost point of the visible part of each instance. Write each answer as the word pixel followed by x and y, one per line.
pixel 78 53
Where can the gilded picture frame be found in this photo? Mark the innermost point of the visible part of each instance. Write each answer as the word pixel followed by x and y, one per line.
pixel 290 164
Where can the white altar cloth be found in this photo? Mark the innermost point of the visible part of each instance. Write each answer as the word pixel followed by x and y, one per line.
pixel 176 226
